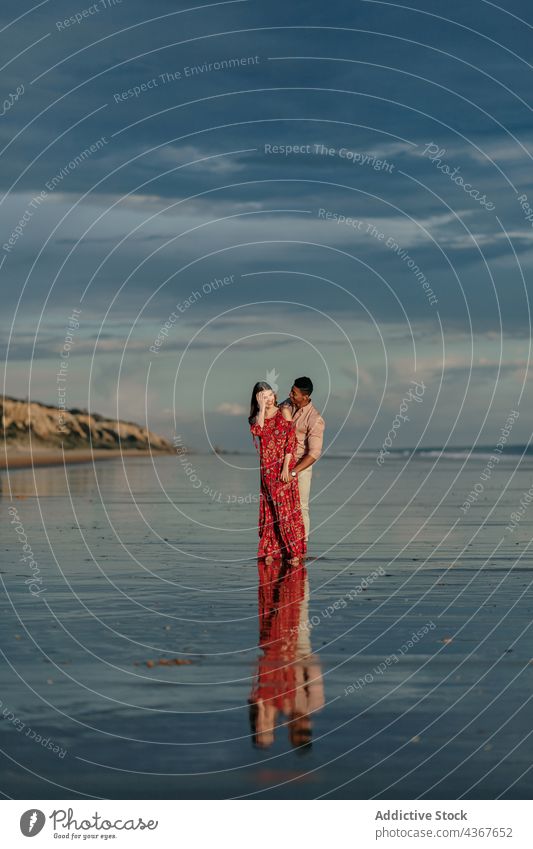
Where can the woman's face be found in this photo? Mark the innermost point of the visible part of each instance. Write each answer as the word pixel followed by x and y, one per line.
pixel 269 397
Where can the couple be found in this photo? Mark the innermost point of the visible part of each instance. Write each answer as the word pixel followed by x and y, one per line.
pixel 290 441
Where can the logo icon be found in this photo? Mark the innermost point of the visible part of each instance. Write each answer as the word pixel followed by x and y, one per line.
pixel 32 822
pixel 271 378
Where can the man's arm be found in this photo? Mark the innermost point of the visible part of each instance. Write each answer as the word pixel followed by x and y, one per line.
pixel 315 438
pixel 306 461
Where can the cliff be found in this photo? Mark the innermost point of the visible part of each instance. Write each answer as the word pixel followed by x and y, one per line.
pixel 49 427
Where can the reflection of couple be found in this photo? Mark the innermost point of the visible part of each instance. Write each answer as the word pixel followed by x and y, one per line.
pixel 290 441
pixel 288 681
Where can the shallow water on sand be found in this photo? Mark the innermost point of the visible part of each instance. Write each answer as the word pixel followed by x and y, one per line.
pixel 299 684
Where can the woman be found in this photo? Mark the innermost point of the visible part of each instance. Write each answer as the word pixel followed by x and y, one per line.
pixel 281 527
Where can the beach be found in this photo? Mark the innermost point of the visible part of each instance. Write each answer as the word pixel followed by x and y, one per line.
pixel 142 657
pixel 24 459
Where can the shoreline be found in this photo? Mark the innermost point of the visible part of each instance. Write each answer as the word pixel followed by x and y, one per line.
pixel 13 460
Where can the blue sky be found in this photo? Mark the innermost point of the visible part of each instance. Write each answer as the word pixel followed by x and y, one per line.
pixel 184 186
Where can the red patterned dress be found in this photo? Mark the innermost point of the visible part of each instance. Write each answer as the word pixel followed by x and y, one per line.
pixel 281 527
pixel 281 595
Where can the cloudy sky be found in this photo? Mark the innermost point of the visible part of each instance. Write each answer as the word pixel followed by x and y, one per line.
pixel 180 173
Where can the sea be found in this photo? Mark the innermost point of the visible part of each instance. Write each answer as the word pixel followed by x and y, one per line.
pixel 147 654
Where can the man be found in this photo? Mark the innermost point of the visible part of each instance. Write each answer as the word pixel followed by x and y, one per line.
pixel 309 426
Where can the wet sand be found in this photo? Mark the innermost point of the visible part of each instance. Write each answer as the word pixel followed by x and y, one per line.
pixel 304 685
pixel 20 459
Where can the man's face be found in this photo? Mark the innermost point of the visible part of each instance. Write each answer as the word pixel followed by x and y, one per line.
pixel 298 398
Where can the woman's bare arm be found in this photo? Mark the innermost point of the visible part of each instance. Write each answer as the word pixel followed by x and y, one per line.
pixel 286 413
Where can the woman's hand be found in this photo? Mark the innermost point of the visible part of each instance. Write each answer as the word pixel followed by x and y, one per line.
pixel 285 473
pixel 261 399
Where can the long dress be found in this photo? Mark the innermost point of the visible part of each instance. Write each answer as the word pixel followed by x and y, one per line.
pixel 288 677
pixel 281 595
pixel 281 527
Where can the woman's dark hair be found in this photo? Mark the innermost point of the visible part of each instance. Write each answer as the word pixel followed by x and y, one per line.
pixel 254 406
pixel 253 713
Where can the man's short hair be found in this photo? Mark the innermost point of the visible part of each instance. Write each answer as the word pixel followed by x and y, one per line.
pixel 304 384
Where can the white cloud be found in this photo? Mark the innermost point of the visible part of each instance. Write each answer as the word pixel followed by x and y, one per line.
pixel 229 409
pixel 209 161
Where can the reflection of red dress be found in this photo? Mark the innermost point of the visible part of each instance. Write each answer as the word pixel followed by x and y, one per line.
pixel 288 678
pixel 280 603
pixel 281 527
